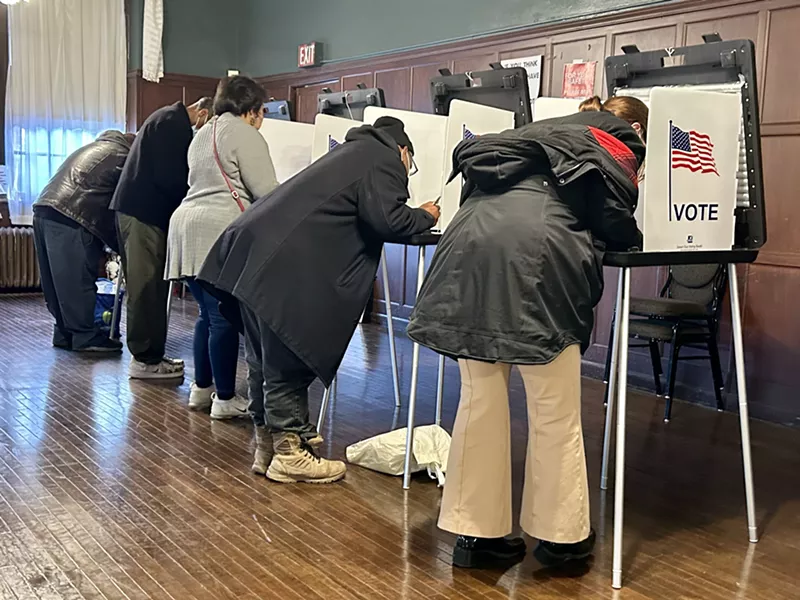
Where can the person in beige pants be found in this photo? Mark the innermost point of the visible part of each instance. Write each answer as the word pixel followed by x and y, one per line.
pixel 514 282
pixel 555 501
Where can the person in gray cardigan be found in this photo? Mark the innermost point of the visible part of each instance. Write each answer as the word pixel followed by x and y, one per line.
pixel 229 168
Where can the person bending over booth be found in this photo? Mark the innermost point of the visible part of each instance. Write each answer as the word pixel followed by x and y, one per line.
pixel 152 185
pixel 227 156
pixel 71 225
pixel 301 262
pixel 514 281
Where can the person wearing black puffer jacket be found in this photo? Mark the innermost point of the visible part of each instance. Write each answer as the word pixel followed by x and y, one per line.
pixel 514 281
pixel 72 223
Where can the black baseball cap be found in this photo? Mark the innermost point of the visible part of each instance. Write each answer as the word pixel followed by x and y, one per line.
pixel 396 129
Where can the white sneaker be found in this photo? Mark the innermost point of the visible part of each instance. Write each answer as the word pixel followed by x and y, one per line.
pixel 200 398
pixel 235 408
pixel 166 369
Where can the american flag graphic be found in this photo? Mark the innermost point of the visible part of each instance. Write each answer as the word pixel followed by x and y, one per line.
pixel 468 135
pixel 332 143
pixel 692 150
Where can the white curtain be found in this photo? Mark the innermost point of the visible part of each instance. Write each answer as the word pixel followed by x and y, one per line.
pixel 152 49
pixel 66 84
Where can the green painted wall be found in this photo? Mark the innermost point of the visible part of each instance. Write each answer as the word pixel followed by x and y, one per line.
pixel 271 30
pixel 201 37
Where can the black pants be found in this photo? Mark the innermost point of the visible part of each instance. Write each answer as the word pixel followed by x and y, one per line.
pixel 278 381
pixel 144 253
pixel 69 256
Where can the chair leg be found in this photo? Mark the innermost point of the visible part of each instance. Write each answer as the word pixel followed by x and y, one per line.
pixel 655 357
pixel 716 371
pixel 672 371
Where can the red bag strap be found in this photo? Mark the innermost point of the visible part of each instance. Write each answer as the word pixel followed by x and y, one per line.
pixel 234 193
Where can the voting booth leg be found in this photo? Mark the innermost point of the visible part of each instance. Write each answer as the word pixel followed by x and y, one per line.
pixel 412 397
pixel 622 401
pixel 741 385
pixel 612 385
pixel 169 300
pixel 440 391
pixel 390 325
pixel 115 312
pixel 323 409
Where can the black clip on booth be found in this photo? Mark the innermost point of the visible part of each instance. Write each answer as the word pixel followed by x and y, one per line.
pixel 349 104
pixel 726 67
pixel 499 88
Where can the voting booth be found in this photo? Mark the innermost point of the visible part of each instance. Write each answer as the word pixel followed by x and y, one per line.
pixel 277 109
pixel 506 89
pixel 290 146
pixel 702 203
pixel 349 104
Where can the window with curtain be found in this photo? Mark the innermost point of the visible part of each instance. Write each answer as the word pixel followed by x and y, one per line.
pixel 66 85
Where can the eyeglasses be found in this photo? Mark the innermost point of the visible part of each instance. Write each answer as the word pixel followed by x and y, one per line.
pixel 414 169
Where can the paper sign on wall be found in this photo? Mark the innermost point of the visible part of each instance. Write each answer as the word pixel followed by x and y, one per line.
pixel 533 66
pixel 289 146
pixel 329 132
pixel 550 108
pixel 579 80
pixel 427 134
pixel 466 121
pixel 690 174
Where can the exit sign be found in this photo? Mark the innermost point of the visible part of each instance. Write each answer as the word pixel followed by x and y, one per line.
pixel 308 55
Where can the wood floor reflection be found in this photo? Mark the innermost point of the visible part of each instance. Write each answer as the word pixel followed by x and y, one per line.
pixel 113 489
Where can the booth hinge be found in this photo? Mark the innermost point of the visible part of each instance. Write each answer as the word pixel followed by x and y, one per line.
pixel 728 59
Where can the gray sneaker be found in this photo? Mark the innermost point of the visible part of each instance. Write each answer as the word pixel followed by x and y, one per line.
pixel 297 462
pixel 166 369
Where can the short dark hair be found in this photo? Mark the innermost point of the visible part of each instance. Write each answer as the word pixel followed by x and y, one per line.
pixel 205 103
pixel 238 95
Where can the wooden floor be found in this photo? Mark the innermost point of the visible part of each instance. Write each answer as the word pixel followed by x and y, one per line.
pixel 113 489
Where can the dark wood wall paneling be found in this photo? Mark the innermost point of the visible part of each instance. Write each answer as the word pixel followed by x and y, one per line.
pixel 769 288
pixel 145 97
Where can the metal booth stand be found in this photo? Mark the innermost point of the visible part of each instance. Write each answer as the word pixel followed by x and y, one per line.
pixel 715 66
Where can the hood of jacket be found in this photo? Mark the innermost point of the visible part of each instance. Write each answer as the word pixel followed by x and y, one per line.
pixel 368 132
pixel 116 137
pixel 565 148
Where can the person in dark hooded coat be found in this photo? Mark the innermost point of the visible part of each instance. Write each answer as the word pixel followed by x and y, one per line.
pixel 301 262
pixel 514 281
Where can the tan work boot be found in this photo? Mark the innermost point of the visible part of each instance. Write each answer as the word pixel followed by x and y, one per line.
pixel 264 451
pixel 295 462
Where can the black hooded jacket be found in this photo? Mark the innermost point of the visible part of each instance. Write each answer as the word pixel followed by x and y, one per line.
pixel 304 257
pixel 518 272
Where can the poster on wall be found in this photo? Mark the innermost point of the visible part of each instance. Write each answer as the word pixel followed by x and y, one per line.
pixel 289 146
pixel 533 66
pixel 466 121
pixel 329 133
pixel 579 80
pixel 427 134
pixel 690 174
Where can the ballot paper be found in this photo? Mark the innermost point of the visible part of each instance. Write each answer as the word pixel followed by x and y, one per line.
pixel 550 108
pixel 289 146
pixel 427 134
pixel 690 183
pixel 466 121
pixel 329 133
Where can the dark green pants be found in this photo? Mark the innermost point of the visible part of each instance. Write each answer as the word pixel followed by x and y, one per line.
pixel 144 253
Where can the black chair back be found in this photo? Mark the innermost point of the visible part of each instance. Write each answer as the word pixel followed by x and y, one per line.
pixel 703 284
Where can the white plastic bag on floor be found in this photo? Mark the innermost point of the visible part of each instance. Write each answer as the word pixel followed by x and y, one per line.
pixel 385 453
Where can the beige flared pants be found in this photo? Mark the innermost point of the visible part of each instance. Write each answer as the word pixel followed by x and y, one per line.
pixel 477 495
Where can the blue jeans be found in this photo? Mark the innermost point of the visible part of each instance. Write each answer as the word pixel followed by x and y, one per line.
pixel 216 345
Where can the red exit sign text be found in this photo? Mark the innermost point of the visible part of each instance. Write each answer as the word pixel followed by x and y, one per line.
pixel 307 55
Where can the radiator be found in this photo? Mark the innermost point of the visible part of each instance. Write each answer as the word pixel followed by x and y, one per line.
pixel 19 269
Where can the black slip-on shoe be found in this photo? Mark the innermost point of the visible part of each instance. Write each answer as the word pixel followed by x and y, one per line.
pixel 483 553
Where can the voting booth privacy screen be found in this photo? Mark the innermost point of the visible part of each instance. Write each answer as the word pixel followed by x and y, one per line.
pixel 506 89
pixel 703 153
pixel 289 146
pixel 350 104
